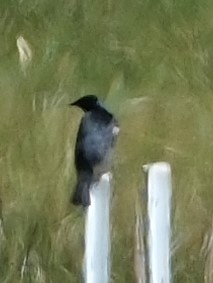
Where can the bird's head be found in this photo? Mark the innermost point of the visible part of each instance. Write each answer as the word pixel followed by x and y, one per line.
pixel 87 103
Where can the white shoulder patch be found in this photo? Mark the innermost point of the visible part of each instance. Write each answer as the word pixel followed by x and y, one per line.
pixel 115 130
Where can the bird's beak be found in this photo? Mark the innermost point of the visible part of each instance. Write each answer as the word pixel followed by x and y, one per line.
pixel 72 104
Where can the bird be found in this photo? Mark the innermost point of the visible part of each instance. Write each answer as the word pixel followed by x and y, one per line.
pixel 96 139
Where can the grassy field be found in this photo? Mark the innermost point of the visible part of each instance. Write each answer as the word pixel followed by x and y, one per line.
pixel 152 63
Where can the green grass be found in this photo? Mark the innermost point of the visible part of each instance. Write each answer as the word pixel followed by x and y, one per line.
pixel 160 51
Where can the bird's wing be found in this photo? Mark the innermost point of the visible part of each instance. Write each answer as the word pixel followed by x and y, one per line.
pixel 95 140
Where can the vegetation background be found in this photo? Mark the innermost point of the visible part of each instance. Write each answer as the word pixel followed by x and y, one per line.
pixel 151 62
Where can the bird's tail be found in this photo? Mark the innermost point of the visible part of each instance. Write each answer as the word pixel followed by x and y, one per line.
pixel 81 195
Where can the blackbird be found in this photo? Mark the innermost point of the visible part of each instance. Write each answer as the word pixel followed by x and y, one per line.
pixel 95 141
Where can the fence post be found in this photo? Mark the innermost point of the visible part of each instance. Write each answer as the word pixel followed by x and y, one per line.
pixel 97 233
pixel 140 248
pixel 159 209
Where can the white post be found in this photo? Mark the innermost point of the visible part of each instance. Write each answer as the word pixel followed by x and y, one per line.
pixel 159 208
pixel 97 233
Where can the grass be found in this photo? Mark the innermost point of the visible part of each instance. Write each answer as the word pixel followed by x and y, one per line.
pixel 151 61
